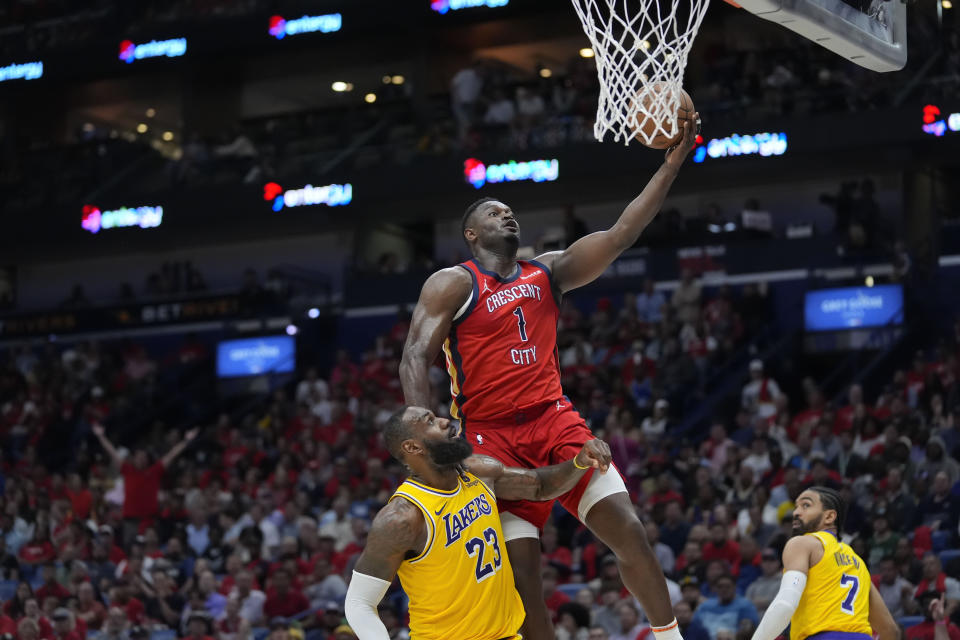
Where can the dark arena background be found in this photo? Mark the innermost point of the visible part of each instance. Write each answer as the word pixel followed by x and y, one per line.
pixel 217 217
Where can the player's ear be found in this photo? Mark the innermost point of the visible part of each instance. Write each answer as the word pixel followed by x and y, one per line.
pixel 410 447
pixel 830 517
pixel 469 234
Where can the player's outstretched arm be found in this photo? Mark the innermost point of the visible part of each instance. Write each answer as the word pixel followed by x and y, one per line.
pixel 399 528
pixel 544 483
pixel 442 295
pixel 881 620
pixel 796 563
pixel 584 260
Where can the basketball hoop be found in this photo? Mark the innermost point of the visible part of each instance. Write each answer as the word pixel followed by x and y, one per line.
pixel 641 48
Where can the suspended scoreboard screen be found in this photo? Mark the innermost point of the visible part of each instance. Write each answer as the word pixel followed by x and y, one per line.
pixel 256 356
pixel 854 308
pixel 860 318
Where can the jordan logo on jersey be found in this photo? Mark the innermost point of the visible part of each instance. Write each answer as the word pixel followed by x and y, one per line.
pixel 456 522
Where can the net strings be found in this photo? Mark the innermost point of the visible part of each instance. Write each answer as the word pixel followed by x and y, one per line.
pixel 641 51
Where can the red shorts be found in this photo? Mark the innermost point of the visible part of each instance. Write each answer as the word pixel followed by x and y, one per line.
pixel 539 437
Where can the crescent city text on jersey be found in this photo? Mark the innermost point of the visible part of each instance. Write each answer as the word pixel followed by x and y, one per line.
pixel 516 292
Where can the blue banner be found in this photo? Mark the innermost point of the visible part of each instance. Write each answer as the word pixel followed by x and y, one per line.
pixel 854 308
pixel 256 356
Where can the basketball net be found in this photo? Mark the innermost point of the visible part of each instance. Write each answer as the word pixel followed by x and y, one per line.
pixel 641 50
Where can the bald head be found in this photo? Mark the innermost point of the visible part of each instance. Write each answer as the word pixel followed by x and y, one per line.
pixel 398 430
pixel 416 436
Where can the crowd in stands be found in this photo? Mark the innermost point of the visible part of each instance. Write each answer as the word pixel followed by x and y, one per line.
pixel 184 279
pixel 248 526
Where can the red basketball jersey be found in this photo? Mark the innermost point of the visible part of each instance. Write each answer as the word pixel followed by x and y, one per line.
pixel 502 348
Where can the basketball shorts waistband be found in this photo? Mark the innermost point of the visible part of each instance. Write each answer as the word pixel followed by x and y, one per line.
pixel 839 635
pixel 528 414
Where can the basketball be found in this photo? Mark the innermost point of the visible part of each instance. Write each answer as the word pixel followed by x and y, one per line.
pixel 653 129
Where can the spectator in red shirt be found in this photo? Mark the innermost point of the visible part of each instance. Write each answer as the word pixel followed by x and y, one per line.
pixel 121 597
pixel 932 605
pixel 81 499
pixel 664 493
pixel 141 480
pixel 39 550
pixel 556 554
pixel 64 627
pixel 282 599
pixel 236 449
pixel 344 369
pixel 342 478
pixel 88 609
pixel 721 547
pixel 50 586
pixel 551 596
pixel 854 410
pixel 7 625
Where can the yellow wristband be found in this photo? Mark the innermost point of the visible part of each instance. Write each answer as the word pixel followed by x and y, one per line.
pixel 578 466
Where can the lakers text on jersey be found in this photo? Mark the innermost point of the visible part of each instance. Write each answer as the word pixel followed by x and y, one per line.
pixel 836 601
pixel 461 585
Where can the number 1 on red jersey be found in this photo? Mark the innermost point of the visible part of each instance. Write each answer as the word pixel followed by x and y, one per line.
pixel 521 323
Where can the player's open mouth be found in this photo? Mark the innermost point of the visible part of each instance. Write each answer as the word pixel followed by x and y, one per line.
pixel 454 430
pixel 512 226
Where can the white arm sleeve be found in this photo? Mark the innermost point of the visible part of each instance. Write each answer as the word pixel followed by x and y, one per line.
pixel 778 614
pixel 363 595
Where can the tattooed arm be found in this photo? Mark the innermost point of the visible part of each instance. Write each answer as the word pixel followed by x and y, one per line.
pixel 544 483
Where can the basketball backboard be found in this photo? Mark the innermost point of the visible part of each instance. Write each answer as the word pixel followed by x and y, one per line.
pixel 875 38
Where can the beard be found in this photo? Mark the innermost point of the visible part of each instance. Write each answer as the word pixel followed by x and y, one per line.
pixel 800 527
pixel 449 453
pixel 512 242
pixel 503 242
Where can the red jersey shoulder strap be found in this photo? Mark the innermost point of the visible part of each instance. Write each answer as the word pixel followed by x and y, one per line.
pixel 557 295
pixel 539 265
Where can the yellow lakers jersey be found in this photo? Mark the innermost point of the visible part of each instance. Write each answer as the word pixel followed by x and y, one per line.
pixel 461 585
pixel 837 595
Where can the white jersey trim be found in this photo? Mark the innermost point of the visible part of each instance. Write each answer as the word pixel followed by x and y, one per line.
pixel 466 305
